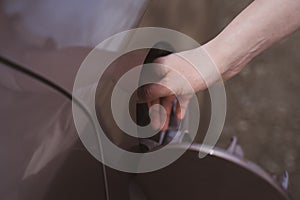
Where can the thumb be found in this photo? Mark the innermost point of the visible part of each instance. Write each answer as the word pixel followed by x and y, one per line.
pixel 182 106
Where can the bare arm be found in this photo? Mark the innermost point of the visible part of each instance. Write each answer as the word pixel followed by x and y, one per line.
pixel 261 24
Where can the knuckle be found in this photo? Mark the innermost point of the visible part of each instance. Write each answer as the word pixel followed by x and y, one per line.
pixel 160 60
pixel 145 92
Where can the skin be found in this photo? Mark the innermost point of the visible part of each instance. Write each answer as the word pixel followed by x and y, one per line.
pixel 261 24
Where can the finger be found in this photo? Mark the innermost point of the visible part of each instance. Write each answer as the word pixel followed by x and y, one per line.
pixel 167 103
pixel 152 91
pixel 182 106
pixel 154 113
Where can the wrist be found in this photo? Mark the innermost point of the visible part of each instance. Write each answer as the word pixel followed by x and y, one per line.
pixel 230 54
pixel 218 55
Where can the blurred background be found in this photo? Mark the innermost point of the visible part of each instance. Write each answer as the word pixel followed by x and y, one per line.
pixel 263 101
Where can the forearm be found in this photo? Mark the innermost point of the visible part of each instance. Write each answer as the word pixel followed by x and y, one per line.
pixel 259 26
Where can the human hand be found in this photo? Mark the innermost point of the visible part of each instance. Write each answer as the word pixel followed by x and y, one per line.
pixel 178 77
pixel 183 75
